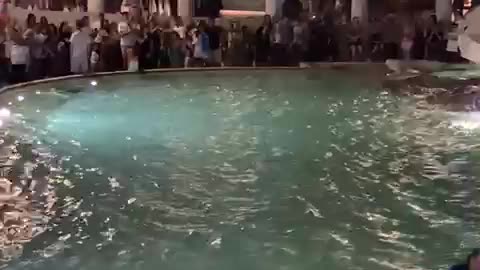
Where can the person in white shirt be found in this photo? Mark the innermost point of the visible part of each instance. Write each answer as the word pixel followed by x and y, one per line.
pixel 19 54
pixel 80 43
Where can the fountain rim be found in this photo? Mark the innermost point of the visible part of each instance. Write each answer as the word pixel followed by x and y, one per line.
pixel 322 65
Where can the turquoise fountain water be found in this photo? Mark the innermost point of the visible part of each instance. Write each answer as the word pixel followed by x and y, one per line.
pixel 238 170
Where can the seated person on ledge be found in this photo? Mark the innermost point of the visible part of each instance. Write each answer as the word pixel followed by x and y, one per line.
pixel 472 263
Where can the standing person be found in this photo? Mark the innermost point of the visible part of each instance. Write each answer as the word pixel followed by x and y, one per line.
pixel 392 35
pixel 51 47
pixel 30 22
pixel 407 42
pixel 355 39
pixel 39 53
pixel 61 61
pixel 300 40
pixel 234 39
pixel 262 42
pixel 130 33
pixel 247 47
pixel 151 45
pixel 283 36
pixel 375 39
pixel 127 39
pixel 19 54
pixel 435 44
pixel 111 51
pixel 80 43
pixel 420 39
pixel 214 33
pixel 189 47
pixel 178 52
pixel 43 23
pixel 166 39
pixel 201 51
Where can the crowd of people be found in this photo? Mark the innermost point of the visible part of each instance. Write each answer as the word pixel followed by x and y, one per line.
pixel 38 49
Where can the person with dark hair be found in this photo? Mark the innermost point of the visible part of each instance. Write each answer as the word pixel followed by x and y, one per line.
pixel 214 33
pixel 150 47
pixel 62 57
pixel 51 47
pixel 111 55
pixel 31 21
pixel 39 53
pixel 472 263
pixel 43 22
pixel 292 9
pixel 263 45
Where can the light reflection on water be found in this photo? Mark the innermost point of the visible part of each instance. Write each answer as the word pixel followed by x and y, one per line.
pixel 235 170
